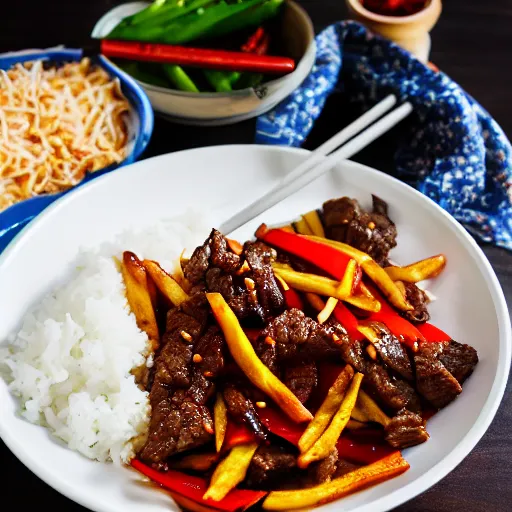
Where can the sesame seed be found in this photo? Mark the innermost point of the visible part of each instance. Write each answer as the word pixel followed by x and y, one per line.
pixel 197 358
pixel 208 374
pixel 250 284
pixel 208 428
pixel 261 405
pixel 371 225
pixel 186 336
pixel 270 341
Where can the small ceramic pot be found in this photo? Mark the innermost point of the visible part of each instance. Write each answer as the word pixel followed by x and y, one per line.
pixel 410 32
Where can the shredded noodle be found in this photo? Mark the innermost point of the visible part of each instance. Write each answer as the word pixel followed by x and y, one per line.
pixel 56 125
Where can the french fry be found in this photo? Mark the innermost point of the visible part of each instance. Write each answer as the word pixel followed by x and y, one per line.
pixel 302 227
pixel 327 441
pixel 365 303
pixel 384 469
pixel 358 414
pixel 220 421
pixel 369 333
pixel 400 285
pixel 313 284
pixel 347 283
pixel 138 296
pixel 419 271
pixel 196 462
pixel 231 471
pixel 165 283
pixel 371 410
pixel 314 223
pixel 327 410
pixel 283 283
pixel 374 271
pixel 326 312
pixel 244 355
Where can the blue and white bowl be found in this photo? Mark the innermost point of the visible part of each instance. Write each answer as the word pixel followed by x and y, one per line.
pixel 14 218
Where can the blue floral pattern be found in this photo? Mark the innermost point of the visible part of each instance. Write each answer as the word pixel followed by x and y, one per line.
pixel 458 155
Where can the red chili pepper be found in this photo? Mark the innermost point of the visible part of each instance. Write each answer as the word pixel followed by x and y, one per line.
pixel 433 333
pixel 398 325
pixel 362 453
pixel 257 42
pixel 293 299
pixel 394 7
pixel 194 487
pixel 323 256
pixel 237 433
pixel 327 374
pixel 280 425
pixel 346 318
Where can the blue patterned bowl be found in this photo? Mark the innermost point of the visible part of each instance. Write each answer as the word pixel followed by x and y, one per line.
pixel 14 218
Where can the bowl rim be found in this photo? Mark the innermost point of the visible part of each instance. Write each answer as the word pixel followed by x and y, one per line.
pixel 240 92
pixel 19 212
pixel 452 459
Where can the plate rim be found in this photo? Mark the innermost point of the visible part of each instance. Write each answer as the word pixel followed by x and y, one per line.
pixel 460 451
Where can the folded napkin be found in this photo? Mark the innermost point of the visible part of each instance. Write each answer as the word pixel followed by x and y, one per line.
pixel 456 154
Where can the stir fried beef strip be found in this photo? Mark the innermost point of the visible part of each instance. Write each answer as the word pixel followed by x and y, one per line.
pixel 297 336
pixel 180 420
pixel 301 378
pixel 391 391
pixel 419 300
pixel 371 232
pixel 246 281
pixel 406 429
pixel 242 410
pixel 270 465
pixel 433 381
pixel 392 351
pixel 460 360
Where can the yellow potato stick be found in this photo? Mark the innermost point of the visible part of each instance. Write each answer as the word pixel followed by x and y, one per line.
pixel 365 303
pixel 231 471
pixel 355 425
pixel 302 227
pixel 282 282
pixel 138 296
pixel 374 271
pixel 419 271
pixel 327 441
pixel 327 410
pixel 371 410
pixel 312 283
pixel 384 469
pixel 358 414
pixel 315 301
pixel 165 283
pixel 220 421
pixel 314 223
pixel 244 355
pixel 326 312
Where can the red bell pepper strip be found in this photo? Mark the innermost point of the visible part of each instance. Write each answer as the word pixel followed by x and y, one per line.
pixel 433 333
pixel 398 325
pixel 193 488
pixel 293 300
pixel 362 453
pixel 280 425
pixel 325 257
pixel 237 433
pixel 346 318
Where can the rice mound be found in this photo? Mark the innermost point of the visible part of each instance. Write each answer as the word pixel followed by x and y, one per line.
pixel 71 361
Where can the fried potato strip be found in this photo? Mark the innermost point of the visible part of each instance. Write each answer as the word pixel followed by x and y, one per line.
pixel 323 446
pixel 231 471
pixel 419 271
pixel 165 283
pixel 139 297
pixel 384 469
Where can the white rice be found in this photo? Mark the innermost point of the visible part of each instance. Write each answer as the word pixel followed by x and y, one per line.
pixel 70 363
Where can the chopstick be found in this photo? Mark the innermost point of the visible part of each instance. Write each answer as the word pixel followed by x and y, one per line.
pixel 197 57
pixel 316 164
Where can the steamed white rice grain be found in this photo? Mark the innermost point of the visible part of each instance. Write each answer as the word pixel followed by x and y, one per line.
pixel 70 364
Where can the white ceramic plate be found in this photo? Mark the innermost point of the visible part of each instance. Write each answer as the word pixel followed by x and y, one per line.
pixel 221 180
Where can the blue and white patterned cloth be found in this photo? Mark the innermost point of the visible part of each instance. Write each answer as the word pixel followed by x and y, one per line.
pixel 457 155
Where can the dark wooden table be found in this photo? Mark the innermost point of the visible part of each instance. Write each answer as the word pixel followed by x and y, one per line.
pixel 471 43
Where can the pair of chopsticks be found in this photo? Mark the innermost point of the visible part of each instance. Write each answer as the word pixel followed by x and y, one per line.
pixel 359 134
pixel 195 57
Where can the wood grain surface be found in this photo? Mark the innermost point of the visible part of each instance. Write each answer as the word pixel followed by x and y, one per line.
pixel 472 43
